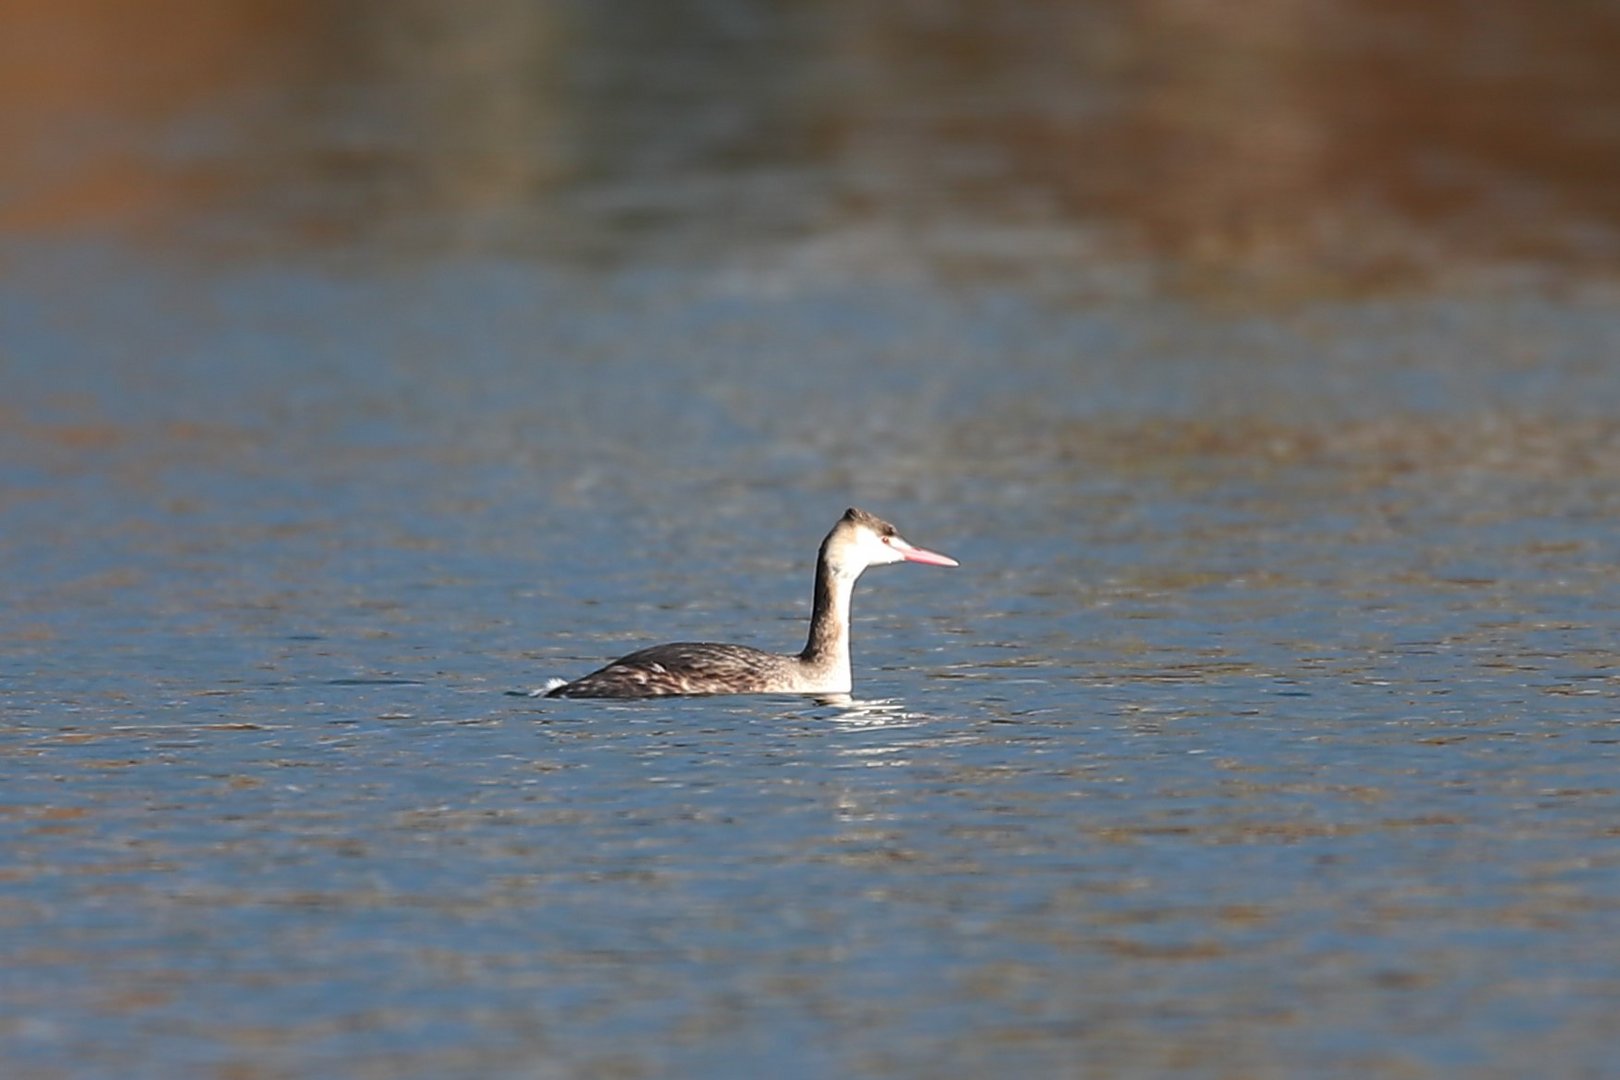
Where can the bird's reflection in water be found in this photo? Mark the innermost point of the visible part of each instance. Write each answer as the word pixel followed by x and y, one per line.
pixel 847 711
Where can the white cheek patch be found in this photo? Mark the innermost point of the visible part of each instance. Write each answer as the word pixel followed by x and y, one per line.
pixel 890 548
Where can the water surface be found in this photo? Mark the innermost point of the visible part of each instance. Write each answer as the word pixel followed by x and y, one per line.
pixel 1266 729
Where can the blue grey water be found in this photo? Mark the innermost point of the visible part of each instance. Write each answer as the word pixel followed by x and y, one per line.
pixel 1263 730
pixel 1267 729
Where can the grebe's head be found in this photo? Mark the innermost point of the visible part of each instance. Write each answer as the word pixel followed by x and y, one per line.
pixel 860 540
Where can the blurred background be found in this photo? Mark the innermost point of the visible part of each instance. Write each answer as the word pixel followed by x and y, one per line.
pixel 1272 146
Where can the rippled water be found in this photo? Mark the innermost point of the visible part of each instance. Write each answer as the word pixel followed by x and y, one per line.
pixel 1267 728
pixel 1264 729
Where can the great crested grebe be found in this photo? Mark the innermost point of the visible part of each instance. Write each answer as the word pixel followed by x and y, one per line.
pixel 858 540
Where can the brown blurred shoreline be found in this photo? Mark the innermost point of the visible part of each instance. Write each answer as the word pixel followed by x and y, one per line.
pixel 1358 142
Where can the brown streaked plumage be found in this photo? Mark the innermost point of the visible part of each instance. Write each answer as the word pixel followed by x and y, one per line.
pixel 858 540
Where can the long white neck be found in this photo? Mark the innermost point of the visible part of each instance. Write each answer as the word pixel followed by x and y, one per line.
pixel 826 653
